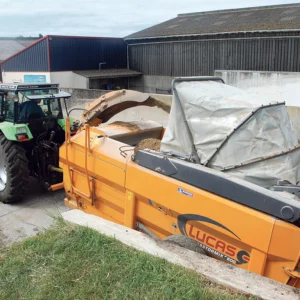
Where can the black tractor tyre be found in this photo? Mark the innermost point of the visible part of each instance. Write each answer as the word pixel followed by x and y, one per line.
pixel 13 168
pixel 185 242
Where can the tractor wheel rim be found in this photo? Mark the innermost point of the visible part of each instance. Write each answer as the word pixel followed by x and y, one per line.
pixel 3 174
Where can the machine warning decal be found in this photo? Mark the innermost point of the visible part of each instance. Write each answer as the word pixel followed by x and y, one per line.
pixel 184 192
pixel 210 243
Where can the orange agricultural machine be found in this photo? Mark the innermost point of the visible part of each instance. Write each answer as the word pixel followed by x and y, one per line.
pixel 225 175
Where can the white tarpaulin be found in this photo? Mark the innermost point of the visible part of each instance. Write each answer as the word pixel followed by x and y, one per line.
pixel 228 129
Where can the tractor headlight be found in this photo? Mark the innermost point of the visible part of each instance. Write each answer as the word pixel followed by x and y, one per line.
pixel 21 130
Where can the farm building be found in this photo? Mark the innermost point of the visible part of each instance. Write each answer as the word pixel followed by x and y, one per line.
pixel 10 46
pixel 252 45
pixel 74 62
pixel 206 43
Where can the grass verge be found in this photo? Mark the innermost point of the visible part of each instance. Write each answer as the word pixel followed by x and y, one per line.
pixel 73 262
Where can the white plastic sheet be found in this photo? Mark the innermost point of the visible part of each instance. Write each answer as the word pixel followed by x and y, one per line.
pixel 214 114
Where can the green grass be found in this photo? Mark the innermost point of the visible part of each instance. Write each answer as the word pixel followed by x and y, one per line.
pixel 73 262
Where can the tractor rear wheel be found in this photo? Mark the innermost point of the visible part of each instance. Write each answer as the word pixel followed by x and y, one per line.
pixel 14 173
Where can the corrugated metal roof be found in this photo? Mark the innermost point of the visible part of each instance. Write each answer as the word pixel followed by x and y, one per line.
pixel 11 46
pixel 266 18
pixel 26 41
pixel 108 73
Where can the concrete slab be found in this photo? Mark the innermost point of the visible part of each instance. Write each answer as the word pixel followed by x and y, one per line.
pixel 211 268
pixel 31 215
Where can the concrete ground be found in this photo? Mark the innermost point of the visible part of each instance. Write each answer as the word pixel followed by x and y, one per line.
pixel 31 215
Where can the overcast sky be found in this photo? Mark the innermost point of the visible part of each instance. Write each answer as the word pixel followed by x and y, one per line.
pixel 102 18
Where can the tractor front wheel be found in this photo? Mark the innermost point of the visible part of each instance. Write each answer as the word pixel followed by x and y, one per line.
pixel 14 173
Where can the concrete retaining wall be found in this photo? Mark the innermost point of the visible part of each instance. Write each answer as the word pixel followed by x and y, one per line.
pixel 278 86
pixel 81 97
pixel 82 94
pixel 69 79
pixel 151 84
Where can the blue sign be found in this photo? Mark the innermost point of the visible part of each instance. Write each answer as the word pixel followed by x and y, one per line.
pixel 35 78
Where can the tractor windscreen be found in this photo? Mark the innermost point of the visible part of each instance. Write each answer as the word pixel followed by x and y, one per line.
pixel 39 104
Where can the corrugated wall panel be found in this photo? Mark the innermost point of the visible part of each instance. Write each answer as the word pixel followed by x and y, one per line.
pixel 67 53
pixel 296 64
pixel 191 58
pixel 32 59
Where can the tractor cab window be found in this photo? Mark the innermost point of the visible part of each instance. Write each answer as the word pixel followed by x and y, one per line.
pixel 8 105
pixel 37 104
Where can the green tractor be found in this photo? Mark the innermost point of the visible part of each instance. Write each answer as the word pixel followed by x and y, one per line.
pixel 31 131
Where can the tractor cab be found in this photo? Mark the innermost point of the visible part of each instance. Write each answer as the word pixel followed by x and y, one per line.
pixel 40 106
